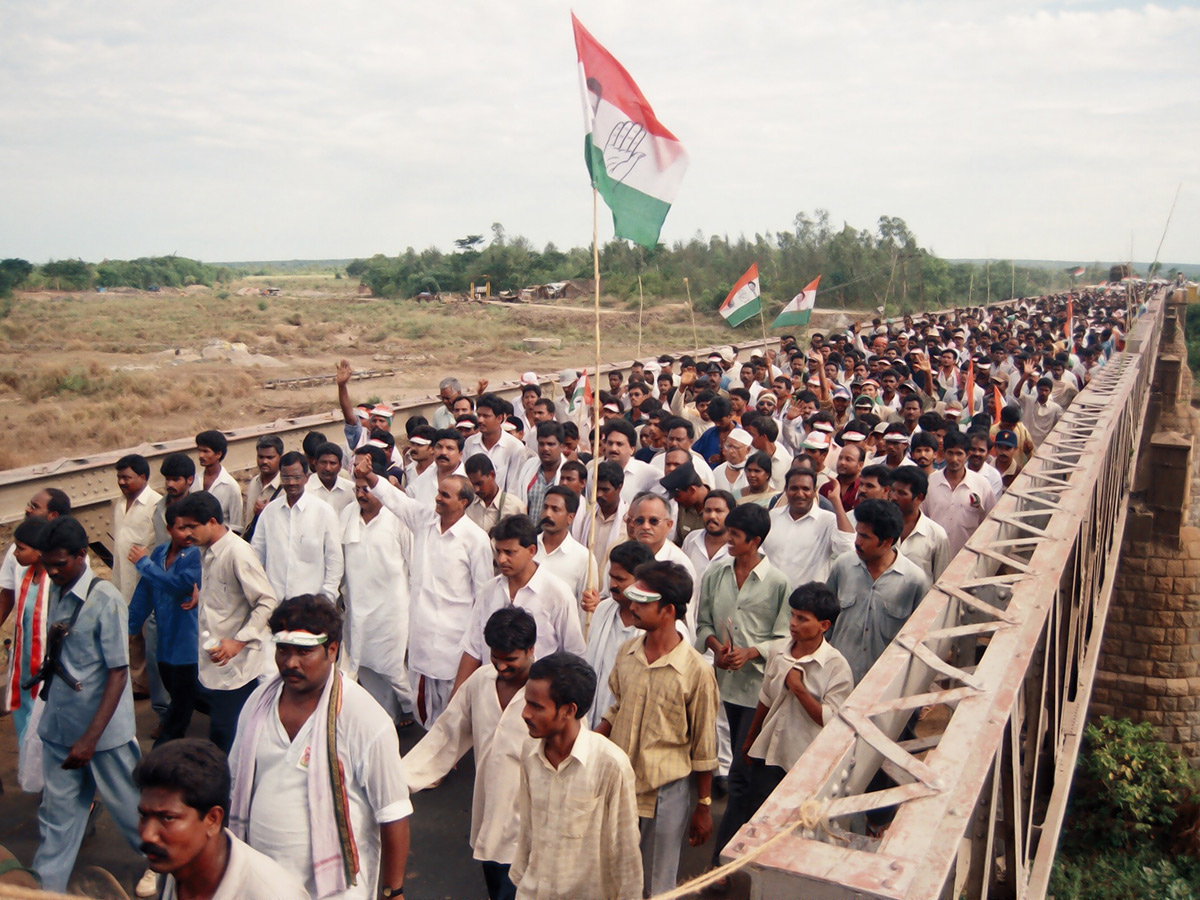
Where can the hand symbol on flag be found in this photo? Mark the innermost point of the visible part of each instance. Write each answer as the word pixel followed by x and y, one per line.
pixel 621 152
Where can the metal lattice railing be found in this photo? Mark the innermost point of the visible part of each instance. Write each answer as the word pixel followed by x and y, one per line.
pixel 1008 641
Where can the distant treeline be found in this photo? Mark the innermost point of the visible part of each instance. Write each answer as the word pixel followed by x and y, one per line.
pixel 859 268
pixel 145 273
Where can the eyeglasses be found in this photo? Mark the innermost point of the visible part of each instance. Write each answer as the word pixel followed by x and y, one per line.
pixel 652 521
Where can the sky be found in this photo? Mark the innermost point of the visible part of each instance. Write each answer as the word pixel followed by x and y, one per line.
pixel 300 130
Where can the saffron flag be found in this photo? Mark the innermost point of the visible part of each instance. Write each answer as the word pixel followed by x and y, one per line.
pixel 799 308
pixel 744 301
pixel 636 164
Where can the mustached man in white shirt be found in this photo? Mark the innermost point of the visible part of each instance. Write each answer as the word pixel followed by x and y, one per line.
pixel 485 714
pixel 507 454
pixel 183 810
pixel 318 784
pixel 522 582
pixel 298 539
pixel 558 552
pixel 451 562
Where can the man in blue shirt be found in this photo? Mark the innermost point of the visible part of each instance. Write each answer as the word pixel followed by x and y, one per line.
pixel 88 734
pixel 170 575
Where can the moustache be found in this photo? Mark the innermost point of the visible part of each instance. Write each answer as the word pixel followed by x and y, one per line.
pixel 544 522
pixel 442 457
pixel 152 851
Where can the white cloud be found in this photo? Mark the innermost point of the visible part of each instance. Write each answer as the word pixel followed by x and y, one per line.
pixel 281 130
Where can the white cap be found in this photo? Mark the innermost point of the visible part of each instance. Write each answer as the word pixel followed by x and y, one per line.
pixel 741 436
pixel 567 376
pixel 529 378
pixel 816 440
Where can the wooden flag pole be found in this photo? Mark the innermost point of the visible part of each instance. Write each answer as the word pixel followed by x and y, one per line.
pixel 593 575
pixel 692 310
pixel 641 303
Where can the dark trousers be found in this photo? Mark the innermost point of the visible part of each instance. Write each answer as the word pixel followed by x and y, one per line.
pixel 182 685
pixel 498 885
pixel 740 719
pixel 224 707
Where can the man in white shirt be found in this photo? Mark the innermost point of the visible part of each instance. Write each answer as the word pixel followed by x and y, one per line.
pixel 318 784
pixel 959 499
pixel 183 808
pixel 609 517
pixel 805 539
pixel 557 550
pixel 1040 413
pixel 706 545
pixel 620 441
pixel 507 454
pixel 449 389
pixel 235 600
pixel 650 523
pixel 264 486
pixel 298 541
pixel 678 435
pixel 375 588
pixel 731 474
pixel 491 504
pixel 543 471
pixel 447 461
pixel 451 563
pixel 578 810
pixel 133 525
pixel 923 540
pixel 522 582
pixel 978 455
pixel 211 447
pixel 327 482
pixel 485 714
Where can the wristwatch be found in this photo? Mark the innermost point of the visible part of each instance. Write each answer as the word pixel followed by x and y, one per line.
pixel 704 801
pixel 387 892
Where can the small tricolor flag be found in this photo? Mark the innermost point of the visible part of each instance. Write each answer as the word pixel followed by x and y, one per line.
pixel 799 308
pixel 636 164
pixel 744 301
pixel 1076 272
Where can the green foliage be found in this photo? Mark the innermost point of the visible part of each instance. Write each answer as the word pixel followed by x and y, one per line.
pixel 1128 789
pixel 68 274
pixel 160 271
pixel 13 273
pixel 1192 336
pixel 859 268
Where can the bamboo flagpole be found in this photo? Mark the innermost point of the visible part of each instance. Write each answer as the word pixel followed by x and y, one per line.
pixel 593 573
pixel 692 310
pixel 641 303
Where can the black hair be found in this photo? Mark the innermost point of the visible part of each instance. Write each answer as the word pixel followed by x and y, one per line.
pixel 293 458
pixel 883 517
pixel 547 404
pixel 202 507
pixel 762 460
pixel 214 441
pixel 479 464
pixel 923 439
pixel 610 473
pixel 882 473
pixel 630 554
pixel 1010 414
pixel 135 462
pixel 571 679
pixel 751 519
pixel 32 533
pixel 412 423
pixel 308 612
pixel 195 768
pixel 718 408
pixel 765 426
pixel 424 430
pixel 669 579
pixel 739 392
pixel 674 422
pixel 574 465
pixel 570 498
pixel 623 427
pixel 59 503
pixel 171 513
pixel 328 448
pixel 493 402
pixel 378 457
pixel 180 465
pixel 955 440
pixel 509 629
pixel 931 421
pixel 570 431
pixel 531 389
pixel 65 533
pixel 449 434
pixel 730 501
pixel 796 470
pixel 551 429
pixel 311 442
pixel 519 528
pixel 916 480
pixel 813 597
pixel 270 440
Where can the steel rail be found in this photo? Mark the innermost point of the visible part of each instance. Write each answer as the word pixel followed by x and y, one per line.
pixel 980 806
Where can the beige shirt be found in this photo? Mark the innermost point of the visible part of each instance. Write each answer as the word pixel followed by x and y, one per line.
pixel 236 600
pixel 503 504
pixel 579 825
pixel 788 729
pixel 959 510
pixel 255 489
pixel 132 526
pixel 664 716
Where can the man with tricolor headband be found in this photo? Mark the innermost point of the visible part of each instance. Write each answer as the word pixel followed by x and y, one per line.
pixel 318 784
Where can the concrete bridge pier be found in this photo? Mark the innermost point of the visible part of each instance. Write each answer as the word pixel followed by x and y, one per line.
pixel 1149 668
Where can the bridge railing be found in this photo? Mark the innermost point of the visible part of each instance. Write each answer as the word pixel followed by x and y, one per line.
pixel 1008 641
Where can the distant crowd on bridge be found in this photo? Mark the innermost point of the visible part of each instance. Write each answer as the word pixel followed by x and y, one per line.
pixel 618 636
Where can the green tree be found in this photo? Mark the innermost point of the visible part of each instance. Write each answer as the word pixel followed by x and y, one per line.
pixel 13 273
pixel 68 274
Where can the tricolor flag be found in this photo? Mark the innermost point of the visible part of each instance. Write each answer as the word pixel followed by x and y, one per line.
pixel 1076 272
pixel 743 301
pixel 636 164
pixel 799 308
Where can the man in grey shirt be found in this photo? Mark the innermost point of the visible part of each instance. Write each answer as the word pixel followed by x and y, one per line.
pixel 877 586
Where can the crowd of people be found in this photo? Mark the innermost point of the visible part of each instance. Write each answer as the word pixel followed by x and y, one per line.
pixel 616 635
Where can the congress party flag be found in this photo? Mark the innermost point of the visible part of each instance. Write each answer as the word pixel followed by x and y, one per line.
pixel 799 308
pixel 744 301
pixel 635 162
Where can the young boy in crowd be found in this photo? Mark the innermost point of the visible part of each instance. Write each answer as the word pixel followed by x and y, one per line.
pixel 805 684
pixel 29 624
